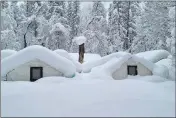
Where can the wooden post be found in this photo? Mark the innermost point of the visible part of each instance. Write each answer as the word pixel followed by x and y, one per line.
pixel 81 53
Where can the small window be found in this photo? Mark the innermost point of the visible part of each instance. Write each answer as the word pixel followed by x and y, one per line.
pixel 132 70
pixel 36 73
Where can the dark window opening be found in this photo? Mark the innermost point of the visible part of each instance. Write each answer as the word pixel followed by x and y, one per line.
pixel 132 70
pixel 36 73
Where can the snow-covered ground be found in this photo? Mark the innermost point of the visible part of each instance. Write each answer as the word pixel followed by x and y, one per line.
pixel 84 95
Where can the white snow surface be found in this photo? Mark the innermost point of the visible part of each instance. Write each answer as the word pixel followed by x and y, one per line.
pixel 38 52
pixel 87 66
pixel 7 52
pixel 84 96
pixel 65 54
pixel 154 55
pixel 168 63
pixel 87 56
pixel 79 40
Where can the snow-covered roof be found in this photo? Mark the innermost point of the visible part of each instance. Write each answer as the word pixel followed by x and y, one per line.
pixel 154 55
pixel 6 53
pixel 38 52
pixel 80 40
pixel 65 54
pixel 87 66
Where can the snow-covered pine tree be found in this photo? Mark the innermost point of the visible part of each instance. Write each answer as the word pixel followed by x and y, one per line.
pixel 96 32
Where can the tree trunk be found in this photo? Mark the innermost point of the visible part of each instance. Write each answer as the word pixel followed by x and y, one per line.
pixel 81 53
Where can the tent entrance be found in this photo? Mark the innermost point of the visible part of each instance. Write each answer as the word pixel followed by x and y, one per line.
pixel 36 73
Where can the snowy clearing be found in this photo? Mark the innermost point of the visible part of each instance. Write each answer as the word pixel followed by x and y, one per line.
pixel 85 97
pixel 154 55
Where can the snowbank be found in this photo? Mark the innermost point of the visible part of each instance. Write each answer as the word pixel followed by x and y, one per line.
pixel 87 66
pixel 38 52
pixel 87 56
pixel 6 53
pixel 80 40
pixel 88 98
pixel 168 63
pixel 66 55
pixel 154 56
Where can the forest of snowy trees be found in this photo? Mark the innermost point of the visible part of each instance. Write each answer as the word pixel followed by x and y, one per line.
pixel 130 26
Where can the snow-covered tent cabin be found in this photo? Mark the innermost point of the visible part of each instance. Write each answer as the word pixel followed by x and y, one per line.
pixel 120 68
pixel 7 52
pixel 35 62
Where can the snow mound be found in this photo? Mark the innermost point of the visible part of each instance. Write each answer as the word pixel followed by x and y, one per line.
pixel 38 52
pixel 80 40
pixel 87 66
pixel 161 70
pixel 6 53
pixel 65 54
pixel 87 56
pixel 168 63
pixel 154 56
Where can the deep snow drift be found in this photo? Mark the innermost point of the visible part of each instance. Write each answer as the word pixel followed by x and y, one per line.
pixel 62 97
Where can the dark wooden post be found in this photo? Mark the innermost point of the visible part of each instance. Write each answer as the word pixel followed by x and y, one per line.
pixel 81 53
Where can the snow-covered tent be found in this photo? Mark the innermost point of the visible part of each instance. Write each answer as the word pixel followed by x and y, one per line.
pixel 6 53
pixel 35 62
pixel 132 65
pixel 65 54
pixel 120 68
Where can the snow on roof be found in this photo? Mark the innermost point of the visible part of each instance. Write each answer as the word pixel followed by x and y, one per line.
pixel 6 53
pixel 80 40
pixel 65 54
pixel 154 55
pixel 38 52
pixel 87 66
